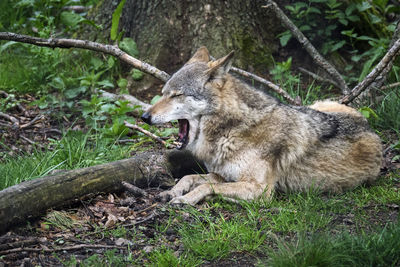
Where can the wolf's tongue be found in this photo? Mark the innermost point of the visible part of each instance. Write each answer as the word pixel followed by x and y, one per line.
pixel 183 136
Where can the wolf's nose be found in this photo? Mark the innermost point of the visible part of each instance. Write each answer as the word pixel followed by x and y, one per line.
pixel 146 117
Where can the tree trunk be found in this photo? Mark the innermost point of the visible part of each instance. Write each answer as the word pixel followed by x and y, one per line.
pixel 32 198
pixel 168 32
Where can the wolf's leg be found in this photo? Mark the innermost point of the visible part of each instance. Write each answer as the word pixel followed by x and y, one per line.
pixel 237 190
pixel 188 183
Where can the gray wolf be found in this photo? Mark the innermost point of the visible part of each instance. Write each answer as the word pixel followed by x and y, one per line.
pixel 252 144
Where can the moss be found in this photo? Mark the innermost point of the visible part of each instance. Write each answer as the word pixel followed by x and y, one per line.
pixel 253 53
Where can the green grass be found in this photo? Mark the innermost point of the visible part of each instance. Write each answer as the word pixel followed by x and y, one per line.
pixel 381 248
pixel 220 229
pixel 75 150
pixel 164 257
pixel 108 258
pixel 388 112
pixel 214 237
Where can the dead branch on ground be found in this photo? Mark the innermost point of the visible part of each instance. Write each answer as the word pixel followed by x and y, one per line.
pixel 50 250
pixel 38 118
pixel 14 120
pixel 136 191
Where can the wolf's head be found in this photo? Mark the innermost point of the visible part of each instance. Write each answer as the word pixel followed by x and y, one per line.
pixel 190 93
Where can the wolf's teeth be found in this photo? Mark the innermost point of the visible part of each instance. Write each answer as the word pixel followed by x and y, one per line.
pixel 179 145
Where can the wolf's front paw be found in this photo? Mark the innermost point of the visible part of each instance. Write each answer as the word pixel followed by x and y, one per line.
pixel 183 200
pixel 166 196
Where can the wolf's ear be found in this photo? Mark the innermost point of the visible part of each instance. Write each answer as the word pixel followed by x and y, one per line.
pixel 201 55
pixel 221 66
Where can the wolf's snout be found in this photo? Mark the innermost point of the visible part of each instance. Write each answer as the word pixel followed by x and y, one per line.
pixel 146 117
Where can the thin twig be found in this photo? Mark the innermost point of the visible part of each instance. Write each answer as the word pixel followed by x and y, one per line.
pixel 136 191
pixel 149 134
pixel 317 77
pixel 371 77
pixel 36 119
pixel 132 100
pixel 151 216
pixel 390 86
pixel 27 139
pixel 14 120
pixel 317 57
pixel 271 85
pixel 50 250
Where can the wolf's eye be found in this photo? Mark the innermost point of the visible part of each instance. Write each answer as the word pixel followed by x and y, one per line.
pixel 176 95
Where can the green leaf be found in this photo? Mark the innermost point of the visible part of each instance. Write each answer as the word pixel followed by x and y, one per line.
pixel 155 99
pixel 57 83
pixel 345 22
pixel 363 6
pixel 96 62
pixel 338 46
pixel 305 28
pixel 8 44
pixel 115 20
pixel 375 19
pixel 353 18
pixel 284 39
pixel 122 83
pixel 314 10
pixel 108 108
pixel 72 93
pixel 70 18
pixel 106 83
pixel 129 46
pixel 137 74
pixel 111 62
pixel 168 132
pixel 367 112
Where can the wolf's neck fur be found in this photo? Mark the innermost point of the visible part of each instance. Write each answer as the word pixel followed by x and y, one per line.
pixel 238 109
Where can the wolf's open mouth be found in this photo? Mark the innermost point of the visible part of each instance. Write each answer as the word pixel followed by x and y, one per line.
pixel 183 136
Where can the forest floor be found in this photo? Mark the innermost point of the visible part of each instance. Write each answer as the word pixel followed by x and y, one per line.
pixel 123 229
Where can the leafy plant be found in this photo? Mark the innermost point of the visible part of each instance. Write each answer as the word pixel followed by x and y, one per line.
pixel 115 20
pixel 358 29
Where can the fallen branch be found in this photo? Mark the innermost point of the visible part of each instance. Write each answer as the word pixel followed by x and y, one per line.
pixel 14 120
pixel 38 118
pixel 84 44
pixel 50 250
pixel 136 191
pixel 149 134
pixel 32 198
pixel 372 76
pixel 317 57
pixel 271 85
pixel 151 216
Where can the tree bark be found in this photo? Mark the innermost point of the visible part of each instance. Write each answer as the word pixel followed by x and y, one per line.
pixel 32 198
pixel 169 32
